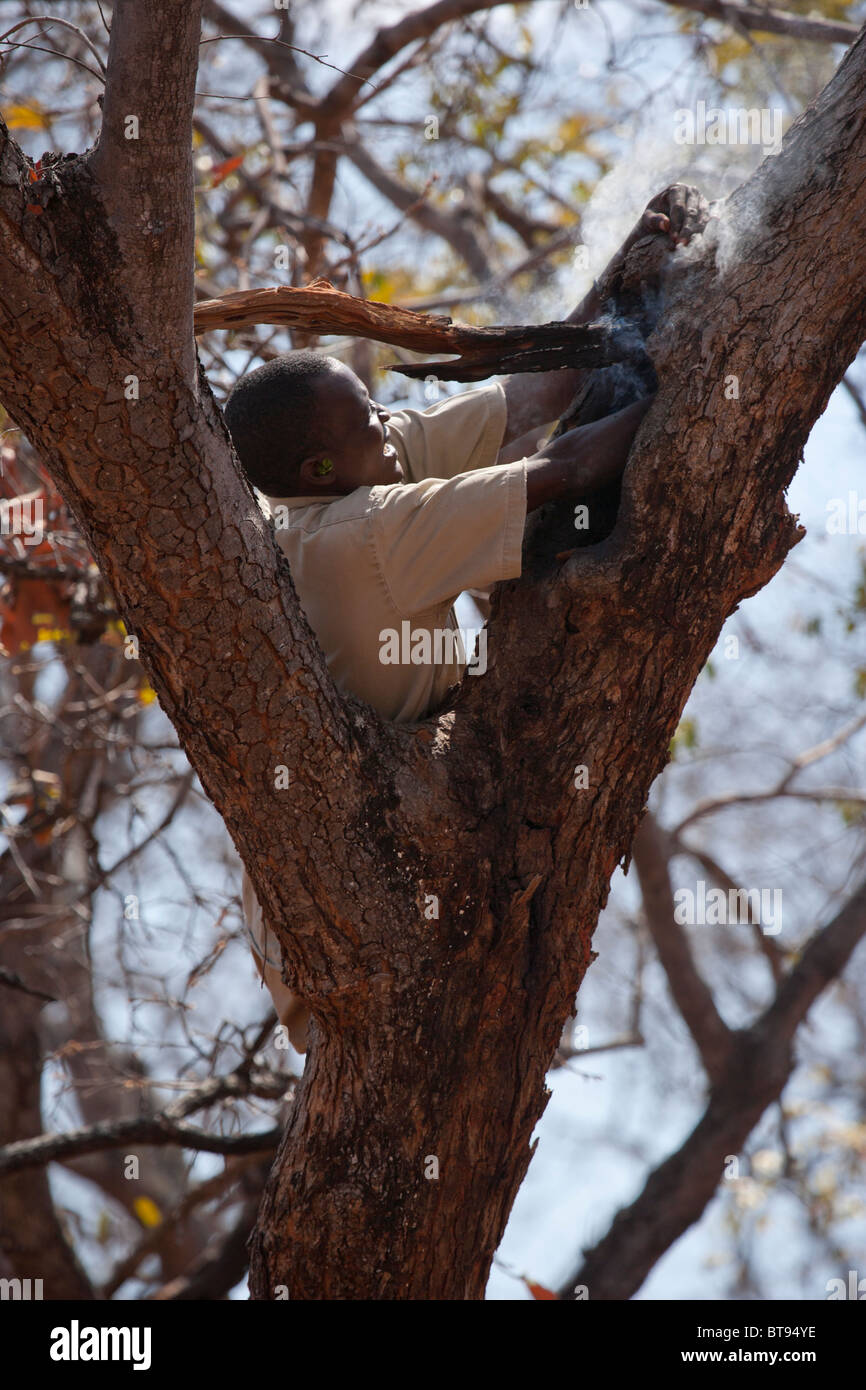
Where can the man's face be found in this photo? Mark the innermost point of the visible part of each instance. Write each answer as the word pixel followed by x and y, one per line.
pixel 357 430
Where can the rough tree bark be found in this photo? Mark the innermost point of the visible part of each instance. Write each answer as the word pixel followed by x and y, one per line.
pixel 430 1037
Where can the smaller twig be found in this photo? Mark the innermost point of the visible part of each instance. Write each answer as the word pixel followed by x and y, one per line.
pixel 66 24
pixel 55 53
pixel 564 1055
pixel 783 786
pixel 204 1192
pixel 280 43
pixel 115 1134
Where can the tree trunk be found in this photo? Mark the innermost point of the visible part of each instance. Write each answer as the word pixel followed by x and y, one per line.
pixel 431 1038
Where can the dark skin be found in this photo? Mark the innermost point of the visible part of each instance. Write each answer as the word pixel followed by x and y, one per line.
pixel 356 452
pixel 355 443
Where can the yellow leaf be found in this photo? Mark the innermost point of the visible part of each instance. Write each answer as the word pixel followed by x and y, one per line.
pixel 147 1212
pixel 25 118
pixel 730 50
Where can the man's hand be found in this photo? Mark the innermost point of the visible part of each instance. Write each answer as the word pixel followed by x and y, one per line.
pixel 679 211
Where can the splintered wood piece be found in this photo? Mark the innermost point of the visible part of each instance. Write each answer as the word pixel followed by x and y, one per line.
pixel 479 352
pixel 595 351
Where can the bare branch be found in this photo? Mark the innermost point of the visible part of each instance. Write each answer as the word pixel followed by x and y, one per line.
pixel 760 1062
pixel 783 786
pixel 219 1268
pixel 769 21
pixel 455 232
pixel 66 24
pixel 712 1037
pixel 114 1134
pixel 203 1192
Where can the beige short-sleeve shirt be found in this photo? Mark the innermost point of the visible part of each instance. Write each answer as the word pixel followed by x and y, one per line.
pixel 377 573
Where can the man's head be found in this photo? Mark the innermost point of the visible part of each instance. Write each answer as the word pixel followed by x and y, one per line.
pixel 304 424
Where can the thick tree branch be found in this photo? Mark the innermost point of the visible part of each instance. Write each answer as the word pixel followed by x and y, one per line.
pixel 123 481
pixel 766 944
pixel 820 964
pixel 143 164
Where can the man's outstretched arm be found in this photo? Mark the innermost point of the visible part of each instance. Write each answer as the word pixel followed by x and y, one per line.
pixel 583 460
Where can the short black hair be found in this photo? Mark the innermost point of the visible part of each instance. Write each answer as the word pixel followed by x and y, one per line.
pixel 274 419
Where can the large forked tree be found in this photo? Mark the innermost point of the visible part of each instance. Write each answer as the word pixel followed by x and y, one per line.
pixel 431 1035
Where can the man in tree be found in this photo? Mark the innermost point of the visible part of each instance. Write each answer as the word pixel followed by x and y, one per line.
pixel 385 518
pixel 433 1042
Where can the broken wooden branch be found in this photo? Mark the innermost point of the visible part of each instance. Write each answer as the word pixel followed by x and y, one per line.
pixel 479 352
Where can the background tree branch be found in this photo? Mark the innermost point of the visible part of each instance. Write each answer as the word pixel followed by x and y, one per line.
pixel 759 1065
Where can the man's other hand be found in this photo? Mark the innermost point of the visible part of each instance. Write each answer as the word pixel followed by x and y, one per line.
pixel 584 459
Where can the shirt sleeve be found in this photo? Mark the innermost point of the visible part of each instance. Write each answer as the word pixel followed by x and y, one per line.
pixel 436 538
pixel 457 435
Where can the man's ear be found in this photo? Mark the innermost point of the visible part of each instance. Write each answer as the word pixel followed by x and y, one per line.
pixel 317 471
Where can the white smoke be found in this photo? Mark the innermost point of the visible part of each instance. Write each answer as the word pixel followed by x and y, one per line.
pixel 652 162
